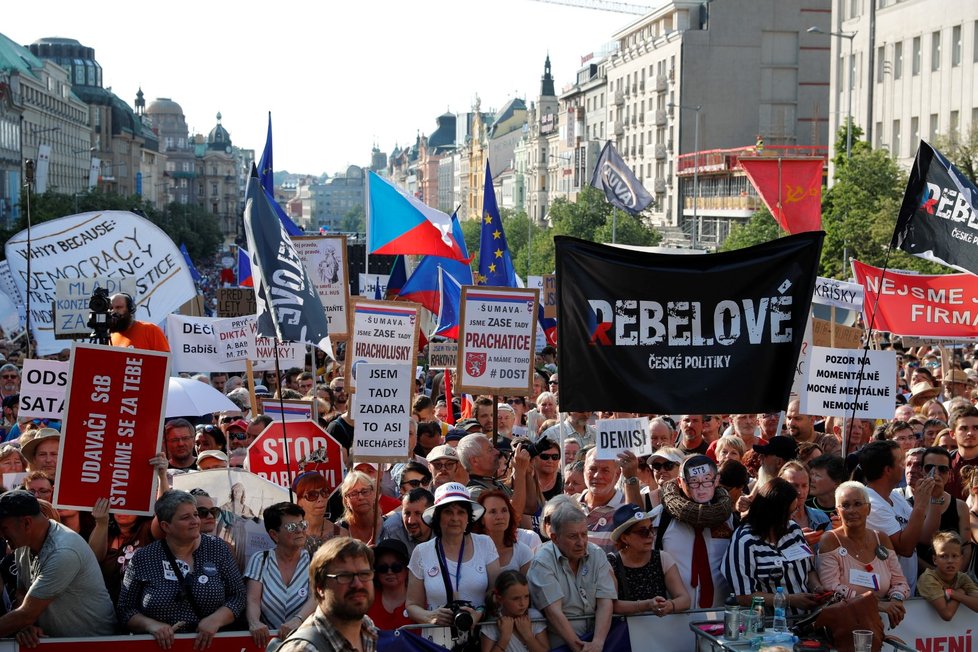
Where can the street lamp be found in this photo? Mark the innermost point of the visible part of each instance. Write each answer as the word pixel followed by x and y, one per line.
pixel 850 36
pixel 696 165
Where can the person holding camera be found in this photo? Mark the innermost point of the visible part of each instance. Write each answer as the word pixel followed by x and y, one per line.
pixel 128 333
pixel 452 572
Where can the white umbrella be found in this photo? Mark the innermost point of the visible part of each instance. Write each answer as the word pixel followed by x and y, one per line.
pixel 188 397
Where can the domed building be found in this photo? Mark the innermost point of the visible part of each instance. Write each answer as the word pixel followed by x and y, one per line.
pixel 217 180
pixel 168 122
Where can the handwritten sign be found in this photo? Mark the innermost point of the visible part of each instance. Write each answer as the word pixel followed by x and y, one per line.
pixel 383 412
pixel 443 355
pixel 235 337
pixel 840 381
pixel 236 302
pixel 550 296
pixel 71 301
pixel 496 338
pixel 619 435
pixel 382 331
pixel 42 389
pixel 324 257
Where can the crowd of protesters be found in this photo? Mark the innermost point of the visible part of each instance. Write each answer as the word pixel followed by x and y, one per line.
pixel 504 527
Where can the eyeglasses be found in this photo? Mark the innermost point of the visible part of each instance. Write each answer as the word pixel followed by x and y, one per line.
pixel 853 505
pixel 641 531
pixel 237 435
pixel 362 493
pixel 707 417
pixel 10 376
pixel 443 466
pixel 208 429
pixel 389 568
pixel 315 494
pixel 553 457
pixel 204 512
pixel 296 526
pixel 933 364
pixel 659 466
pixel 941 468
pixel 347 578
pixel 913 364
pixel 514 401
pixel 700 484
pixel 414 484
pixel 552 382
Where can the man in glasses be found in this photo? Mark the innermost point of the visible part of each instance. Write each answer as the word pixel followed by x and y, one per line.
pixel 178 439
pixel 342 572
pixel 601 498
pixel 9 380
pixel 445 466
pixel 554 385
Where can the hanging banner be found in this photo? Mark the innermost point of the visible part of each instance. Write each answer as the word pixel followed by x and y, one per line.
pixel 194 348
pixel 842 381
pixel 620 435
pixel 236 302
pixel 664 334
pixel 383 412
pixel 442 355
pixel 841 294
pixel 791 189
pixel 373 286
pixel 382 331
pixel 919 305
pixel 71 301
pixel 235 338
pixel 43 384
pixel 118 244
pixel 496 338
pixel 324 257
pixel 9 288
pixel 113 425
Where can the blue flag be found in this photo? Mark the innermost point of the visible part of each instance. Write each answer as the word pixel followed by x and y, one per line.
pixel 190 264
pixel 267 176
pixel 495 263
pixel 245 279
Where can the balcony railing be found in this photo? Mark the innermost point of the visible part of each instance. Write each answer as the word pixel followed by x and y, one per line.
pixel 727 160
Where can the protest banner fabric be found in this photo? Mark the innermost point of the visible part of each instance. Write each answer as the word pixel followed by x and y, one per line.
pixel 193 348
pixel 113 425
pixel 443 355
pixel 373 286
pixel 791 189
pixel 236 302
pixel 841 294
pixel 834 375
pixel 43 385
pixel 71 301
pixel 919 305
pixel 235 337
pixel 279 450
pixel 118 244
pixel 324 257
pixel 381 331
pixel 679 334
pixel 383 412
pixel 496 337
pixel 620 435
pixel 620 186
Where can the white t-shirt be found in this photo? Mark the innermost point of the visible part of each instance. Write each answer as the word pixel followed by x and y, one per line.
pixel 473 576
pixel 491 631
pixel 521 555
pixel 890 519
pixel 530 538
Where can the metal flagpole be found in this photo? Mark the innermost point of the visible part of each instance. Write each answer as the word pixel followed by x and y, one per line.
pixel 614 225
pixel 285 438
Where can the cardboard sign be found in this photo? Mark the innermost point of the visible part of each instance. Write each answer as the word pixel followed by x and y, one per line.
pixel 236 302
pixel 496 338
pixel 235 337
pixel 288 409
pixel 841 294
pixel 42 389
pixel 113 425
pixel 619 435
pixel 834 375
pixel 373 285
pixel 324 257
pixel 383 412
pixel 277 452
pixel 846 337
pixel 550 296
pixel 442 355
pixel 71 297
pixel 193 348
pixel 382 331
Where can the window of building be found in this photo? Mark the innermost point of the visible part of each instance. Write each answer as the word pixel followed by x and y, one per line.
pixel 916 56
pixel 896 141
pixel 954 125
pixel 852 72
pixel 935 125
pixel 935 51
pixel 898 60
pixel 879 135
pixel 880 63
pixel 956 46
pixel 914 131
pixel 974 41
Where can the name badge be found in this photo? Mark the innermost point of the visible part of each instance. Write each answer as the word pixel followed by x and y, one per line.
pixel 796 552
pixel 864 578
pixel 168 573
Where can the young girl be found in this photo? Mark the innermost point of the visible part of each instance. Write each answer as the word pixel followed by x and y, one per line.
pixel 513 631
pixel 945 586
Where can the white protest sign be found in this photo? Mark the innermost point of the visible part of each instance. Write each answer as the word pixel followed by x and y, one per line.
pixel 496 338
pixel 8 287
pixel 841 294
pixel 324 257
pixel 235 337
pixel 619 435
pixel 369 284
pixel 72 297
pixel 192 348
pixel 801 367
pixel 383 412
pixel 383 331
pixel 42 389
pixel 834 376
pixel 443 355
pixel 118 244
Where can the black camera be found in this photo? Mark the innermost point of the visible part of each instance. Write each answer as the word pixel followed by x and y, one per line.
pixel 99 315
pixel 461 620
pixel 542 445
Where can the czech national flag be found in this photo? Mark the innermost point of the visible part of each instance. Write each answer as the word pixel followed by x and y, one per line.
pixel 549 326
pixel 422 287
pixel 396 279
pixel 450 301
pixel 402 224
pixel 244 269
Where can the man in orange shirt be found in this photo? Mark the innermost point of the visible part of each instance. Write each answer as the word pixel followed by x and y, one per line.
pixel 129 333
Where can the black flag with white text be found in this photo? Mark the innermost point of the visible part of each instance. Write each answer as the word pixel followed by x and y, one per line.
pixel 620 186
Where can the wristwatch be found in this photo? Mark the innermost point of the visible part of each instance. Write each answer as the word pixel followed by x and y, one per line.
pixel 631 481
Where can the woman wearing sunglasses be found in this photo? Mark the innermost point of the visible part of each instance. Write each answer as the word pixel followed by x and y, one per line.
pixel 312 495
pixel 390 585
pixel 278 579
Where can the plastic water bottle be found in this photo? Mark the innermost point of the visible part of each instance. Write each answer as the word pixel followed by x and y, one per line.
pixel 780 611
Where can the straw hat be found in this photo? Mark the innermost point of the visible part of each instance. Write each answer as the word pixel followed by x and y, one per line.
pixel 32 439
pixel 922 392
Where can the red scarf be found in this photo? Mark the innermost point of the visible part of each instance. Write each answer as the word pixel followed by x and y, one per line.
pixel 701 574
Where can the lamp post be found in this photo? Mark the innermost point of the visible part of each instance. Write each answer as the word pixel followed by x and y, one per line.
pixel 850 36
pixel 696 166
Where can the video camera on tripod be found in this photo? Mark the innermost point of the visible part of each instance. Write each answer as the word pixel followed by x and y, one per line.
pixel 99 316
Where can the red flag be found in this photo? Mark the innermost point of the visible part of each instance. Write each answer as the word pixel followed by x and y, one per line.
pixel 450 418
pixel 791 189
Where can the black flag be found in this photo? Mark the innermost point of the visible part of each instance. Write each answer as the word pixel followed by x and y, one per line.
pixel 669 334
pixel 938 220
pixel 289 307
pixel 618 183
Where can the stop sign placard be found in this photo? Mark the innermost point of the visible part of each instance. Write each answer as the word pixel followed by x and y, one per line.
pixel 267 459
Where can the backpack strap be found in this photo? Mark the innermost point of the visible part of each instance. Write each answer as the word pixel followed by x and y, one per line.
pixel 310 634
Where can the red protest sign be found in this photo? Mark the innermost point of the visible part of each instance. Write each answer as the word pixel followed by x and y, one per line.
pixel 267 459
pixel 943 306
pixel 222 642
pixel 112 427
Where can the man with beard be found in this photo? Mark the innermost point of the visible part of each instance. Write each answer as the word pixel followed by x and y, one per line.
pixel 410 529
pixel 343 572
pixel 802 428
pixel 9 380
pixel 575 426
pixel 126 332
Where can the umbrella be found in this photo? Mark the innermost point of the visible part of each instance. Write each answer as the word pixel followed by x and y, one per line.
pixel 188 397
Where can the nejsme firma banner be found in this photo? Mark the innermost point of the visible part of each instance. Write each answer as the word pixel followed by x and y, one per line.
pixel 671 334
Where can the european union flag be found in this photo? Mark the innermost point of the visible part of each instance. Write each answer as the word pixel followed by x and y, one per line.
pixel 267 176
pixel 495 263
pixel 190 264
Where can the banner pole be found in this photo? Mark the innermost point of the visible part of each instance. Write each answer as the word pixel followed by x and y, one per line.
pixel 614 224
pixel 376 509
pixel 495 420
pixel 285 438
pixel 252 397
pixel 832 326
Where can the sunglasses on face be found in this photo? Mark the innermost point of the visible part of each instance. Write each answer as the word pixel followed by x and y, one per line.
pixel 941 468
pixel 315 494
pixel 204 512
pixel 552 457
pixel 229 419
pixel 206 429
pixel 390 568
pixel 660 466
pixel 414 484
pixel 9 376
pixel 237 435
pixel 641 531
pixel 296 526
pixel 514 401
pixel 552 382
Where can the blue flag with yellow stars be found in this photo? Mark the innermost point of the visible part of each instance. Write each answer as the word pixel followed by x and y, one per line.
pixel 495 263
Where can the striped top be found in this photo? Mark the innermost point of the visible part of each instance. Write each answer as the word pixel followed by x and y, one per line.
pixel 279 602
pixel 751 563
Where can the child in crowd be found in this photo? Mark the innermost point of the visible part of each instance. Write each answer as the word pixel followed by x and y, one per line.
pixel 945 586
pixel 513 630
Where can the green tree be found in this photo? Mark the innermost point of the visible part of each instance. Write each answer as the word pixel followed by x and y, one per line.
pixel 962 152
pixel 471 232
pixel 354 221
pixel 761 227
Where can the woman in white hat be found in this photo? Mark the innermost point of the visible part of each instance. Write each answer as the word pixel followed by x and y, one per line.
pixel 454 565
